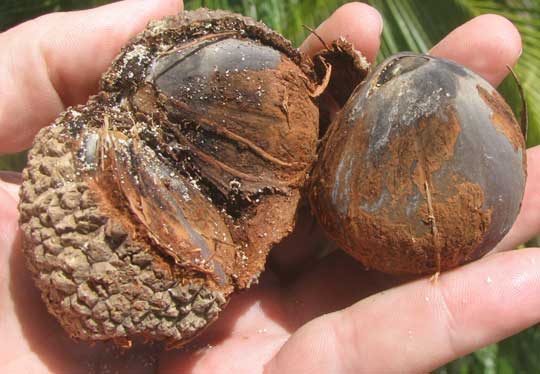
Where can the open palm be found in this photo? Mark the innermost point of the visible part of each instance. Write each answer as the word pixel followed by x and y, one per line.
pixel 310 313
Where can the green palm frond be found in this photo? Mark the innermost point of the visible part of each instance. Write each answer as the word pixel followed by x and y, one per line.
pixel 525 14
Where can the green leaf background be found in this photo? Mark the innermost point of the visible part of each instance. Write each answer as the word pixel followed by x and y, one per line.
pixel 413 25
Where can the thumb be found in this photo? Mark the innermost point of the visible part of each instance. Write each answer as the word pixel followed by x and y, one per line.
pixel 56 60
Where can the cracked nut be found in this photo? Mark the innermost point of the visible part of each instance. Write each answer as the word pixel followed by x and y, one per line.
pixel 146 208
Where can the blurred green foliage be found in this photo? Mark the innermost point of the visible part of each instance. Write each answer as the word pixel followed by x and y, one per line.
pixel 413 25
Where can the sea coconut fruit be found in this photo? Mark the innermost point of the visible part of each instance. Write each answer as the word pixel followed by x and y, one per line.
pixel 144 209
pixel 423 170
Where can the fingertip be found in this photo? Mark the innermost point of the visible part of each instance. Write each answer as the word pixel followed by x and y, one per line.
pixel 360 15
pixel 486 44
pixel 501 37
pixel 359 23
pixel 503 29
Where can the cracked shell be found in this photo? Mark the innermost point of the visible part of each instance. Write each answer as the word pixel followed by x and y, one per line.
pixel 423 170
pixel 144 209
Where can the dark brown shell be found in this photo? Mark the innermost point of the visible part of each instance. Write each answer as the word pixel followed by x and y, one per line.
pixel 423 170
pixel 144 209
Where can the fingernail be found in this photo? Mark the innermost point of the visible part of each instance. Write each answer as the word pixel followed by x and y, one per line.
pixel 381 24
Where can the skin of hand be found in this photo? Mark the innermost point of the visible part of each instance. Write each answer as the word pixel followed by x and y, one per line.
pixel 332 316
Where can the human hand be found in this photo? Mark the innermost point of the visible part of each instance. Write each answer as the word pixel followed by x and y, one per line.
pixel 298 320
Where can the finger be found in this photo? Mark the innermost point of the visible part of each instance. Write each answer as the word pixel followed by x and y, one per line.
pixel 527 224
pixel 57 60
pixel 359 23
pixel 465 310
pixel 486 44
pixel 333 283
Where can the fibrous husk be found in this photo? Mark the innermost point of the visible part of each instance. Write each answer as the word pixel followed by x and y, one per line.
pixel 146 208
